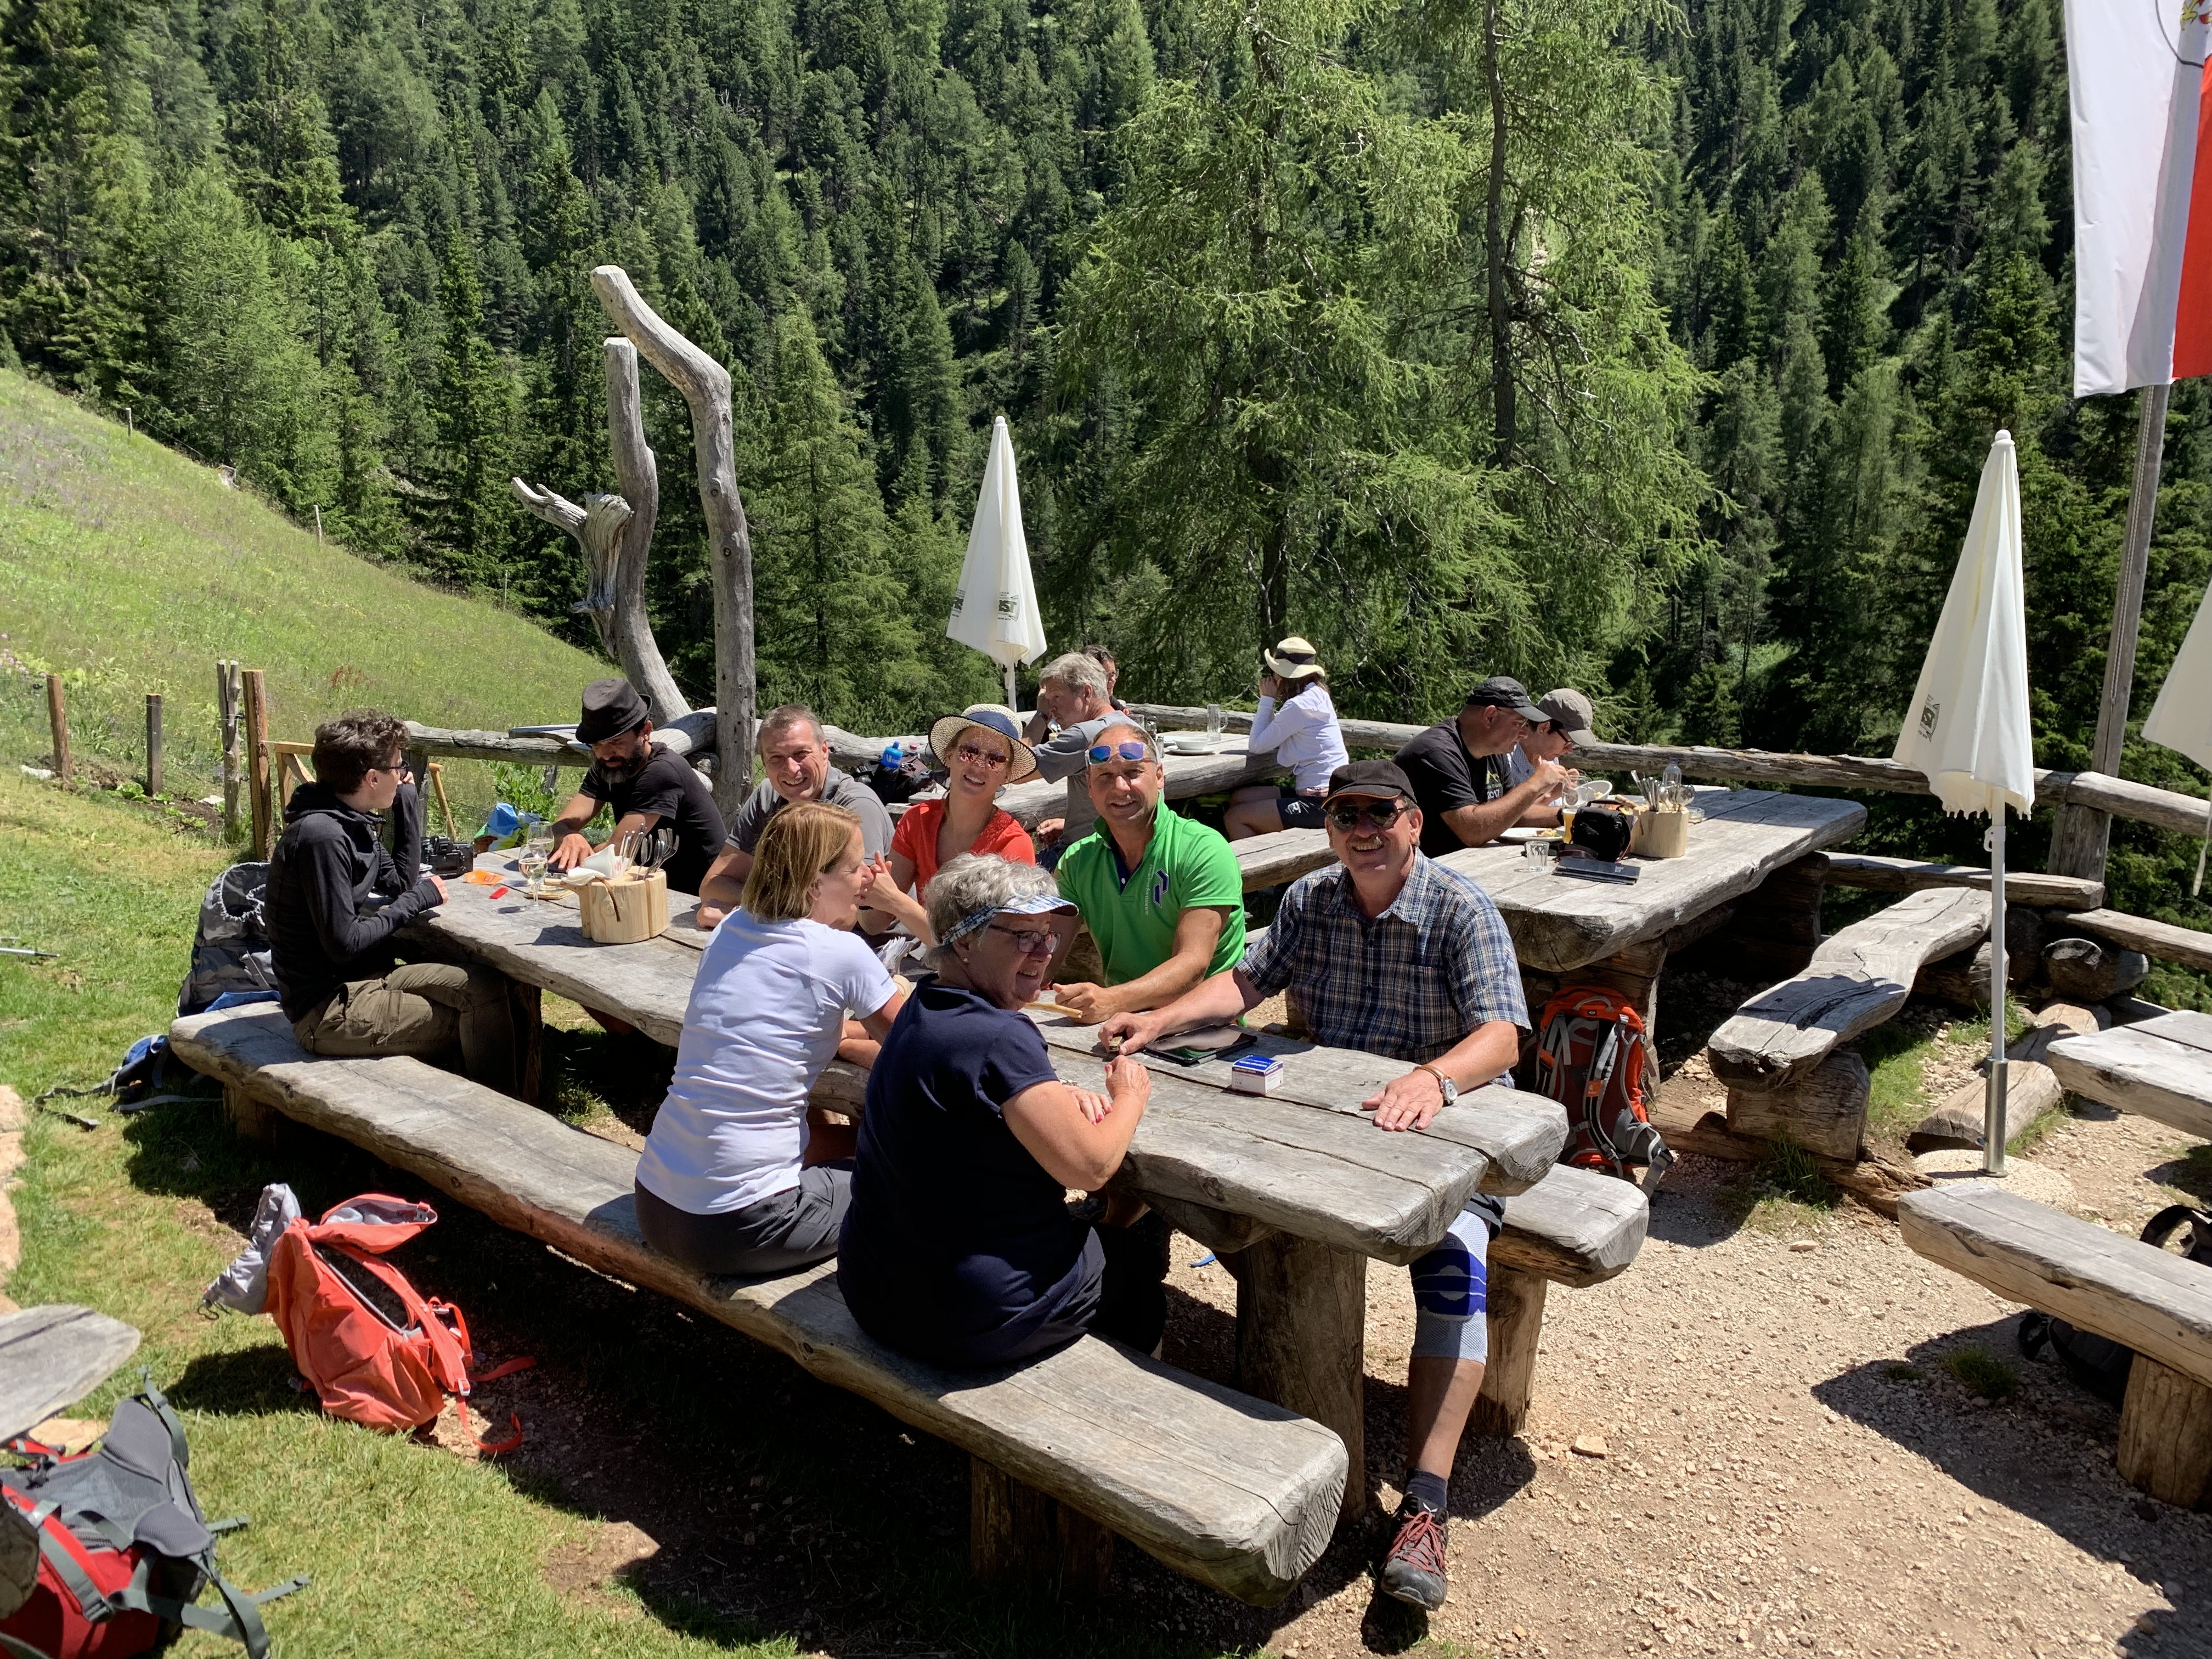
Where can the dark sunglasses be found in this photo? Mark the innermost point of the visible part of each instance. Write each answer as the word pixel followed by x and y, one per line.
pixel 1376 815
pixel 1103 753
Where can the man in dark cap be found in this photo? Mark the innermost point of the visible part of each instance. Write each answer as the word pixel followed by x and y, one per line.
pixel 1387 952
pixel 647 787
pixel 1458 772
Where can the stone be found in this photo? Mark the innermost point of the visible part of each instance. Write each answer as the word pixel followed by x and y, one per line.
pixel 15 1117
pixel 1589 1445
pixel 2084 971
pixel 1802 1245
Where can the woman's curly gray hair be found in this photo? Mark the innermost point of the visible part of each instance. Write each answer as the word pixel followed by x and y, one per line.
pixel 977 881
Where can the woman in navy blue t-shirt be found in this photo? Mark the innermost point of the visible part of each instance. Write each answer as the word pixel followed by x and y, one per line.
pixel 959 1248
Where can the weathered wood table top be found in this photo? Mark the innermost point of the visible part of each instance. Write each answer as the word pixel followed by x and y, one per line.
pixel 1560 923
pixel 1305 1162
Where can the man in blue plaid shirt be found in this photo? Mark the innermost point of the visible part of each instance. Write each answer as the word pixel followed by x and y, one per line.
pixel 1388 952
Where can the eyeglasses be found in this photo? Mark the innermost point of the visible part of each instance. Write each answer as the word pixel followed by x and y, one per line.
pixel 1028 941
pixel 1376 815
pixel 970 754
pixel 1103 753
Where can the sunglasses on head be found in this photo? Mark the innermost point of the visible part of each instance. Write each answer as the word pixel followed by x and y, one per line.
pixel 1374 814
pixel 1101 753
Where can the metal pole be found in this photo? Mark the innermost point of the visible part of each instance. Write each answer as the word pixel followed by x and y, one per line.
pixel 152 743
pixel 2083 836
pixel 1993 1102
pixel 58 716
pixel 1011 704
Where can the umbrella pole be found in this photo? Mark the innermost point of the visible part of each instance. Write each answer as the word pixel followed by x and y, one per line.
pixel 1993 1099
pixel 1011 704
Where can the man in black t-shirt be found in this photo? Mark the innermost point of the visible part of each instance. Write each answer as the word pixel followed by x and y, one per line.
pixel 647 787
pixel 1458 773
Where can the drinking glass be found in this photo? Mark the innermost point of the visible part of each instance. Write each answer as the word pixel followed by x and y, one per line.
pixel 1213 722
pixel 537 853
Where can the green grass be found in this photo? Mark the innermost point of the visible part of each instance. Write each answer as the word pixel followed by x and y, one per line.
pixel 127 568
pixel 1785 1194
pixel 1982 1373
pixel 638 1411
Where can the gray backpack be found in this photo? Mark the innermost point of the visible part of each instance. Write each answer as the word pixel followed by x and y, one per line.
pixel 230 952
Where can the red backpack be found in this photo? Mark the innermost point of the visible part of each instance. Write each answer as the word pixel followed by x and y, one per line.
pixel 1591 1055
pixel 125 1550
pixel 377 1352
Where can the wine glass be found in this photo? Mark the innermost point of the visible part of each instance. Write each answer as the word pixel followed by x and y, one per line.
pixel 536 854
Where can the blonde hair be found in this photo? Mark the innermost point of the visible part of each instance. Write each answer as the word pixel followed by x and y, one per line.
pixel 800 845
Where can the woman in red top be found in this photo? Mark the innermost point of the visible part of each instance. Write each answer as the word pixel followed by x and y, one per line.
pixel 982 751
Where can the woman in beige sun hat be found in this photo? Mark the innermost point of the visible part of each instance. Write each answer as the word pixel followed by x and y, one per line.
pixel 981 751
pixel 1297 720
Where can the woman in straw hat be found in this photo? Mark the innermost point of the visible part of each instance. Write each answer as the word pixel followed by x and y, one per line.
pixel 981 751
pixel 1297 721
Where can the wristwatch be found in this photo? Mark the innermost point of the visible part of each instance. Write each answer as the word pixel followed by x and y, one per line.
pixel 1450 1089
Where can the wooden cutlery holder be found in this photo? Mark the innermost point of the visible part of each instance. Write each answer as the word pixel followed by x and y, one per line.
pixel 625 911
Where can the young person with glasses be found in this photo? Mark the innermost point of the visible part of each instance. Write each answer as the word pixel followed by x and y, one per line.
pixel 1391 953
pixel 981 754
pixel 960 1248
pixel 1161 893
pixel 334 900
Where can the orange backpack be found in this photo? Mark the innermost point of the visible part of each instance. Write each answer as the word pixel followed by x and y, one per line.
pixel 376 1352
pixel 1590 1054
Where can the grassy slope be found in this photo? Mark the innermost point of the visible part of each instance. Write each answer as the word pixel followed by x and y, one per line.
pixel 128 569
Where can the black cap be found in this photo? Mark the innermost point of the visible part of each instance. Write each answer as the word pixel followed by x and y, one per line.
pixel 1503 691
pixel 1381 779
pixel 610 708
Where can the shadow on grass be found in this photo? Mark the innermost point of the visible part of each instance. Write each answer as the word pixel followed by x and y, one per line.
pixel 2015 1452
pixel 255 1381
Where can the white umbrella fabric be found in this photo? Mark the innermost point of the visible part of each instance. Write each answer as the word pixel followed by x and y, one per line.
pixel 1968 726
pixel 2181 718
pixel 995 609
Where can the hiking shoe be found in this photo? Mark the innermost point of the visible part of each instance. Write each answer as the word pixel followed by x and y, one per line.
pixel 1413 1571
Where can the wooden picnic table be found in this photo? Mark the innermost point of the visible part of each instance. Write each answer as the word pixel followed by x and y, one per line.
pixel 2159 1068
pixel 1300 1185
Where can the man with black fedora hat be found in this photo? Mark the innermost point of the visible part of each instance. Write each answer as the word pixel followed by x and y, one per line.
pixel 1387 952
pixel 647 787
pixel 1457 769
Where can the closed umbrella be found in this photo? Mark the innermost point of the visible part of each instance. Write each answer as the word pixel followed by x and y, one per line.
pixel 2181 718
pixel 1967 728
pixel 995 610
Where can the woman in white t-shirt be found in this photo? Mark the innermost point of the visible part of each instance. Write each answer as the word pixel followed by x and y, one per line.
pixel 1297 721
pixel 725 1184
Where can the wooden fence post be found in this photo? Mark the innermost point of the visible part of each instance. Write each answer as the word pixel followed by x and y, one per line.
pixel 58 713
pixel 226 699
pixel 152 743
pixel 257 760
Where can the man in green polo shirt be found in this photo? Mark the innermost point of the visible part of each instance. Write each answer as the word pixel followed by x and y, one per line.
pixel 1161 895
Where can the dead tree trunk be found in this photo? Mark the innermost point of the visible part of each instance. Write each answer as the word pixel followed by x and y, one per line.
pixel 705 385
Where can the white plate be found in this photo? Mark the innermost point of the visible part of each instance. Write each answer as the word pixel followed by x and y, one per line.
pixel 1199 744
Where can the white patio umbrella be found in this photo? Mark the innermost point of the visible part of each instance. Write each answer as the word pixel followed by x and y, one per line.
pixel 1967 727
pixel 995 610
pixel 2181 718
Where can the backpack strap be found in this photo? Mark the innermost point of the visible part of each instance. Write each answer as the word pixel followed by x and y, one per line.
pixel 158 1403
pixel 90 1602
pixel 239 1618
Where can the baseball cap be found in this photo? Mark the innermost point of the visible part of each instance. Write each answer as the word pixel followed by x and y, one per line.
pixel 1503 691
pixel 1570 711
pixel 1380 779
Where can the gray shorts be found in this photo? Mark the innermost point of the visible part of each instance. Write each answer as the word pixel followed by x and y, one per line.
pixel 791 1228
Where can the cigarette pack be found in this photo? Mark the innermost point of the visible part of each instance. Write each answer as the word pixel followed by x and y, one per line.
pixel 1256 1074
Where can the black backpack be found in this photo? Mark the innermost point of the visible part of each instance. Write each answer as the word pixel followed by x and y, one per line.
pixel 2097 1363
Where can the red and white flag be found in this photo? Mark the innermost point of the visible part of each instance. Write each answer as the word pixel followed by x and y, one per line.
pixel 2142 211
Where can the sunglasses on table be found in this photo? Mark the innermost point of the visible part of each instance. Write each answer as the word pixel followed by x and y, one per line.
pixel 1375 815
pixel 1101 753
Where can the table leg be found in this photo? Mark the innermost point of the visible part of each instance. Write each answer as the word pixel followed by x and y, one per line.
pixel 254 1122
pixel 2165 1435
pixel 525 1007
pixel 1301 1338
pixel 1635 973
pixel 1777 924
pixel 1515 1301
pixel 1019 1536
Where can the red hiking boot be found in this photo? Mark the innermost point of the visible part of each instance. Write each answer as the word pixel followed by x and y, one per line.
pixel 1413 1571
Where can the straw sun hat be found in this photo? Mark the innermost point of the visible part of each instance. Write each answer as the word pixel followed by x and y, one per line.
pixel 1294 659
pixel 994 718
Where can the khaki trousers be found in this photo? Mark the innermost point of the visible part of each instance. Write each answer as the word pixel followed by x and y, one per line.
pixel 422 1008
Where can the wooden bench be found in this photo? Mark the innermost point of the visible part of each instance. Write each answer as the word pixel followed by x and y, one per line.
pixel 2158 1304
pixel 1270 861
pixel 2160 1068
pixel 1778 1052
pixel 2029 887
pixel 1237 1493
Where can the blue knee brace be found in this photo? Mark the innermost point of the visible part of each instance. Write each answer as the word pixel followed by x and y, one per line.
pixel 1449 1287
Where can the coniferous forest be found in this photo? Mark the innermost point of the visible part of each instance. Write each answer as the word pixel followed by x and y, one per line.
pixel 1647 349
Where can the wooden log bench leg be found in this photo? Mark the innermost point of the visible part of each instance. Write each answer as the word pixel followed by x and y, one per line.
pixel 253 1122
pixel 1515 1301
pixel 1301 1338
pixel 527 1008
pixel 2166 1434
pixel 1018 1537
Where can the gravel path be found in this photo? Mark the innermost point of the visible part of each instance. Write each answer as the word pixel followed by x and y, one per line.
pixel 1787 1465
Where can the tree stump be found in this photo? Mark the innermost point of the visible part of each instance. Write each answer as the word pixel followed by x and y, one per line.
pixel 1301 1338
pixel 1018 1537
pixel 2166 1434
pixel 1515 1301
